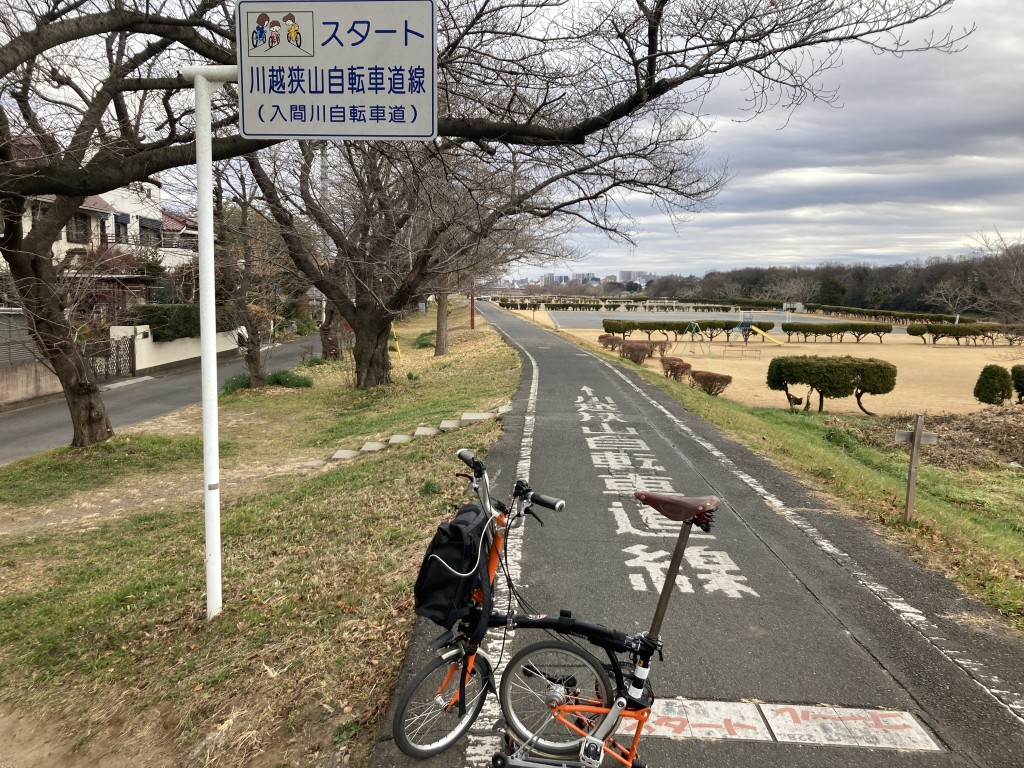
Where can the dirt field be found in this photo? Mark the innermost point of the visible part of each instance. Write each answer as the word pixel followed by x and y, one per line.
pixel 935 380
pixel 930 379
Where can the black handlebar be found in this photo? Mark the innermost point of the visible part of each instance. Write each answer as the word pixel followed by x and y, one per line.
pixel 547 501
pixel 470 460
pixel 522 490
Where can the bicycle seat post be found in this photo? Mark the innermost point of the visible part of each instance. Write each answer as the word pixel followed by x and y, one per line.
pixel 670 579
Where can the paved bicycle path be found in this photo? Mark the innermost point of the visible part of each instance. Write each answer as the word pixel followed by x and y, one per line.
pixel 784 608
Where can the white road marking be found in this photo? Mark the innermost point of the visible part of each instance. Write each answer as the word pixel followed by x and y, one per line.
pixel 1013 701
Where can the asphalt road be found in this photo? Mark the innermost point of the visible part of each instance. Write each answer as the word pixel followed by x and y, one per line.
pixel 42 426
pixel 810 641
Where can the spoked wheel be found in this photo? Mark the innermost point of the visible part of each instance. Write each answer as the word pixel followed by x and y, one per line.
pixel 427 719
pixel 546 674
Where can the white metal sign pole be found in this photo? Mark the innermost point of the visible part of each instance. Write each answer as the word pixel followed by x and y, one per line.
pixel 205 81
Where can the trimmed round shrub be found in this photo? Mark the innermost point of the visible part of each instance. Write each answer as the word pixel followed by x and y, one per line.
pixel 712 383
pixel 994 385
pixel 675 367
pixel 1017 374
pixel 832 377
pixel 636 351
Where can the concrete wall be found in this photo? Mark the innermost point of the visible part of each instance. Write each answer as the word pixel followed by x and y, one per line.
pixel 25 382
pixel 31 380
pixel 150 356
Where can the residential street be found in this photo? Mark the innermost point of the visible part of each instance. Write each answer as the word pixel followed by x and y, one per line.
pixel 796 637
pixel 39 427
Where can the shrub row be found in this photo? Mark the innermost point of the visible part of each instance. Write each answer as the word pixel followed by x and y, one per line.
pixel 971 332
pixel 673 367
pixel 885 314
pixel 836 330
pixel 708 329
pixel 168 322
pixel 678 369
pixel 832 377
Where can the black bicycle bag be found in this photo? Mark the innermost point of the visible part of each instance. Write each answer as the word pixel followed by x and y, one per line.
pixel 454 565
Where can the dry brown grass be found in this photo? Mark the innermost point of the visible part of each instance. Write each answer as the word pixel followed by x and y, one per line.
pixel 931 379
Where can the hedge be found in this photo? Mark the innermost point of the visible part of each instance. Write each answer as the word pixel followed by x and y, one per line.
pixel 708 329
pixel 886 315
pixel 833 330
pixel 972 332
pixel 832 377
pixel 168 322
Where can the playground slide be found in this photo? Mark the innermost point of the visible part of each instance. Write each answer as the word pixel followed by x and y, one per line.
pixel 774 341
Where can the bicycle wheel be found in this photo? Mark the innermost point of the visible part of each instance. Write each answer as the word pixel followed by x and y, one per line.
pixel 547 674
pixel 427 719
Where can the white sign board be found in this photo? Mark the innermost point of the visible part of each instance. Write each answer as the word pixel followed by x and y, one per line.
pixel 341 69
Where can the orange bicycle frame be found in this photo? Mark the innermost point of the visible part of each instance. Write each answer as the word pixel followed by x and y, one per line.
pixel 611 747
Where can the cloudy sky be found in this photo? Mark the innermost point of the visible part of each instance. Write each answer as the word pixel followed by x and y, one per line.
pixel 925 153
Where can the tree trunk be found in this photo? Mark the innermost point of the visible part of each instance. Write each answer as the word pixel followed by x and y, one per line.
pixel 441 338
pixel 249 344
pixel 35 280
pixel 332 334
pixel 372 327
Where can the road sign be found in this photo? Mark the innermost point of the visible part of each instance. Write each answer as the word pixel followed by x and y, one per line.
pixel 907 435
pixel 342 69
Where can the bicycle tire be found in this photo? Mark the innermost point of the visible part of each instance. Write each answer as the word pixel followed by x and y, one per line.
pixel 546 671
pixel 427 722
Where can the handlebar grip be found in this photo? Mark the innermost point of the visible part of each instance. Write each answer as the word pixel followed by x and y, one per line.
pixel 467 456
pixel 547 501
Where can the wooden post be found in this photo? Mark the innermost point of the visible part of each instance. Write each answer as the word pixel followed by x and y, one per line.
pixel 916 438
pixel 915 455
pixel 472 305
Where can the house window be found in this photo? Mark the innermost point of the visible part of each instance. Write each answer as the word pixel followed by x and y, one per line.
pixel 78 228
pixel 149 231
pixel 121 227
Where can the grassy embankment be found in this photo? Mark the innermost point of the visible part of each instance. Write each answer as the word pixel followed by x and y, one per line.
pixel 102 627
pixel 968 523
pixel 102 623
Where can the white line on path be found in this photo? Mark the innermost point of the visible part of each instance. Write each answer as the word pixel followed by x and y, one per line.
pixel 1013 701
pixel 482 741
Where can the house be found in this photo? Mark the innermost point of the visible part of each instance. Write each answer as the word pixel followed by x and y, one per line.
pixel 112 241
pixel 179 242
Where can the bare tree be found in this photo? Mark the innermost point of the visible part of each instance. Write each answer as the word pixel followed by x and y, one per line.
pixel 92 99
pixel 80 117
pixel 402 219
pixel 256 272
pixel 953 295
pixel 1000 267
pixel 791 286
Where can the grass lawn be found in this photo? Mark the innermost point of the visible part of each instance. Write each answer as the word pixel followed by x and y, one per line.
pixel 102 605
pixel 102 619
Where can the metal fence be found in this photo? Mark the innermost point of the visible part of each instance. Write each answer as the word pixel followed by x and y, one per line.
pixel 16 345
pixel 111 358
